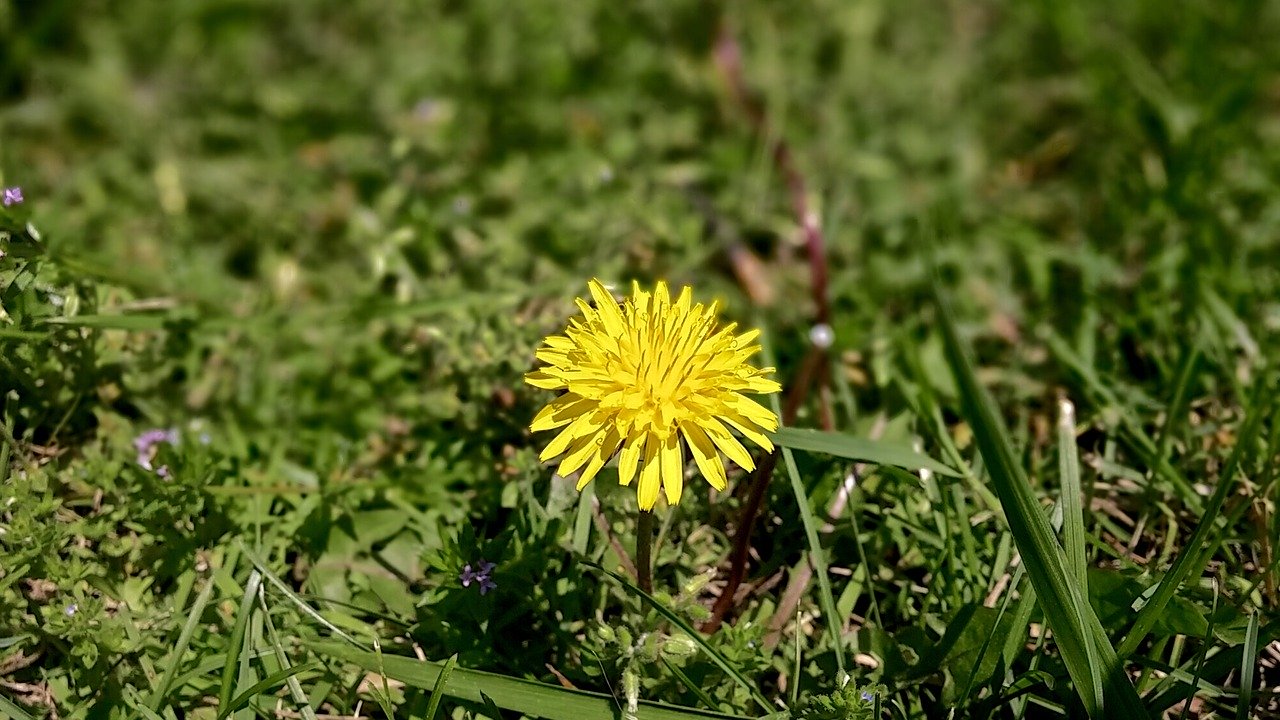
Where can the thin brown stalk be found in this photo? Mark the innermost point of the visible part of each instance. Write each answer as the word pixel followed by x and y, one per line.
pixel 728 60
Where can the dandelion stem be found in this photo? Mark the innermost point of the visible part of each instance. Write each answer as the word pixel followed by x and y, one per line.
pixel 644 550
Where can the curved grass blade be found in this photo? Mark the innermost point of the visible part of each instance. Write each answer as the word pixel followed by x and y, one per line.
pixel 293 596
pixel 1072 500
pixel 1091 661
pixel 1248 662
pixel 282 657
pixel 692 686
pixel 184 639
pixel 856 448
pixel 437 690
pixel 11 709
pixel 235 644
pixel 267 683
pixel 524 696
pixel 818 557
pixel 733 672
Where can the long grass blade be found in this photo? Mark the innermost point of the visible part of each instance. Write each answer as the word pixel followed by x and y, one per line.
pixel 437 690
pixel 269 682
pixel 1072 502
pixel 1248 665
pixel 10 709
pixel 236 647
pixel 282 657
pixel 818 557
pixel 293 597
pixel 184 640
pixel 1091 661
pixel 856 448
pixel 522 696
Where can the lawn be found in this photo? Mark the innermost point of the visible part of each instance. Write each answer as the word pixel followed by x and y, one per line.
pixel 274 276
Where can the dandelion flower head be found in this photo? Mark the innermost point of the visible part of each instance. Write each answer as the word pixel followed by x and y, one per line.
pixel 646 379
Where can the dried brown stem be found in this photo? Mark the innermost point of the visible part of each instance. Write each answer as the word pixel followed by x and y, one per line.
pixel 603 524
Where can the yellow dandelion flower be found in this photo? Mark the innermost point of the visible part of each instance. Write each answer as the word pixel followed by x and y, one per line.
pixel 645 380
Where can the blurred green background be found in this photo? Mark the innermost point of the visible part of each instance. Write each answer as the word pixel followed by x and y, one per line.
pixel 325 238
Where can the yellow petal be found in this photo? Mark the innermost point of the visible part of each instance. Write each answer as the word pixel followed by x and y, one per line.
pixel 751 409
pixel 747 429
pixel 584 426
pixel 607 307
pixel 559 412
pixel 672 468
pixel 579 453
pixel 705 455
pixel 650 475
pixel 727 443
pixel 599 457
pixel 629 458
pixel 540 379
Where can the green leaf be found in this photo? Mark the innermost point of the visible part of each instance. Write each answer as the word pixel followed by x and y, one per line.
pixel 855 448
pixel 524 696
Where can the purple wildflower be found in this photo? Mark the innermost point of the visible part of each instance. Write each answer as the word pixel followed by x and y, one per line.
pixel 147 445
pixel 12 196
pixel 480 576
pixel 868 695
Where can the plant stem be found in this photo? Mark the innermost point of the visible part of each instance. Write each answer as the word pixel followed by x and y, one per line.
pixel 644 551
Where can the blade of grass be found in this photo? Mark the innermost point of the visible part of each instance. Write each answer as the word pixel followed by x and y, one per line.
pixel 1200 656
pixel 236 646
pixel 383 693
pixel 818 557
pixel 269 682
pixel 692 686
pixel 293 596
pixel 525 696
pixel 720 660
pixel 282 657
pixel 10 709
pixel 1091 661
pixel 437 690
pixel 1071 502
pixel 1177 410
pixel 1195 553
pixel 1248 665
pixel 856 448
pixel 184 639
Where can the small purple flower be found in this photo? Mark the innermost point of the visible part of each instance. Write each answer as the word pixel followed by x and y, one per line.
pixel 147 445
pixel 12 196
pixel 479 576
pixel 868 695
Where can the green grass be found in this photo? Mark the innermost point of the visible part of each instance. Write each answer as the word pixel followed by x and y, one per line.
pixel 322 241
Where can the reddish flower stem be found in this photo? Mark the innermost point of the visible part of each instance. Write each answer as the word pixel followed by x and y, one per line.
pixel 728 60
